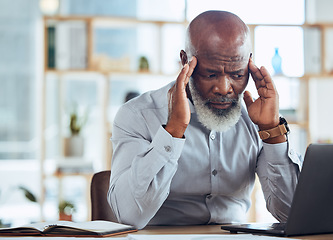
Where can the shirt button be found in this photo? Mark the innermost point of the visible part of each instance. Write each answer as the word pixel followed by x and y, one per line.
pixel 291 152
pixel 214 172
pixel 212 136
pixel 167 148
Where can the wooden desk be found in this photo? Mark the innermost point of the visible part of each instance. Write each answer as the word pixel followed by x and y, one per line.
pixel 207 229
pixel 202 229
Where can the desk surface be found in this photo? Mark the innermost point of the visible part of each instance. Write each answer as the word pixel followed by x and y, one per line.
pixel 201 229
pixel 207 229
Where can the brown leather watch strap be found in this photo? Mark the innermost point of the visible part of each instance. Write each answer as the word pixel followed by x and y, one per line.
pixel 273 132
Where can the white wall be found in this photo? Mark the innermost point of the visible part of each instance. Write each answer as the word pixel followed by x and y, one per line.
pixel 321 110
pixel 320 90
pixel 319 11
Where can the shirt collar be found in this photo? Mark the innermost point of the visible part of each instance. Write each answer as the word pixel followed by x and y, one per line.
pixel 192 108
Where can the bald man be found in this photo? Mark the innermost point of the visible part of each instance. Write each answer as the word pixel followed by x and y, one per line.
pixel 188 153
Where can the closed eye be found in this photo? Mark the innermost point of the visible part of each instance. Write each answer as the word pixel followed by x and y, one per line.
pixel 207 75
pixel 237 76
pixel 212 75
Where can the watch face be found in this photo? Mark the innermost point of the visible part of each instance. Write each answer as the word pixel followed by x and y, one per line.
pixel 284 122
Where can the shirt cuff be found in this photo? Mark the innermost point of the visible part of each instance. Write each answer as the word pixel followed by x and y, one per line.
pixel 276 153
pixel 167 145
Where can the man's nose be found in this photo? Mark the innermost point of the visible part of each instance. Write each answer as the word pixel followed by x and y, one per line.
pixel 222 86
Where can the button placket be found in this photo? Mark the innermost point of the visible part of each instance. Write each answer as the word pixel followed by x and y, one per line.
pixel 213 149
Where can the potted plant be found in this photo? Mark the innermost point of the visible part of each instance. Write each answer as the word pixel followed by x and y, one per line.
pixel 66 209
pixel 74 144
pixel 143 64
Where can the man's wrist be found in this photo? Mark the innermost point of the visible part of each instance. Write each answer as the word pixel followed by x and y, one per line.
pixel 263 127
pixel 275 134
pixel 175 131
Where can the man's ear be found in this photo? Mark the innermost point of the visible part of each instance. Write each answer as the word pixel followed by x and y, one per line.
pixel 183 57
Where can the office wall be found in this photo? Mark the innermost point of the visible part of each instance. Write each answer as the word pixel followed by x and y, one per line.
pixel 321 115
pixel 319 10
pixel 320 90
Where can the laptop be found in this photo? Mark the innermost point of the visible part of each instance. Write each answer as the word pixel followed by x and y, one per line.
pixel 311 210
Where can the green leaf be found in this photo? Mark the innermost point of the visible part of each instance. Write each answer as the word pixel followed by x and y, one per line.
pixel 29 195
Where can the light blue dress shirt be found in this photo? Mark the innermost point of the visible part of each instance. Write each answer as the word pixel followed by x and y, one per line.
pixel 206 177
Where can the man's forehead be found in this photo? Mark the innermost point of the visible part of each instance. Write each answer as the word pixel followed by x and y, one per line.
pixel 216 61
pixel 216 48
pixel 221 58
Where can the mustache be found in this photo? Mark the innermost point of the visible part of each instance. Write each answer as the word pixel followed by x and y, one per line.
pixel 222 99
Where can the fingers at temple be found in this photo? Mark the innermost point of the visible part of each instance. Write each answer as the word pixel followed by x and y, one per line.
pixel 267 78
pixel 256 74
pixel 182 78
pixel 192 65
pixel 260 76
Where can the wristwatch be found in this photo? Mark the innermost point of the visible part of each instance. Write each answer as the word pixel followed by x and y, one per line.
pixel 280 130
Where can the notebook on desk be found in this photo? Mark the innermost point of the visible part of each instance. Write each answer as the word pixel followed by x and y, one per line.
pixel 311 211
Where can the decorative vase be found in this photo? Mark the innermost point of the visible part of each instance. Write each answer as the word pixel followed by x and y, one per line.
pixel 64 217
pixel 277 62
pixel 73 146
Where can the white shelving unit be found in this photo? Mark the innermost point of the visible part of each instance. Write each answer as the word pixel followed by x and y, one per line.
pixel 102 78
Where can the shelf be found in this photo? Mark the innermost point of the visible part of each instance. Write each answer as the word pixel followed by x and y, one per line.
pixel 304 25
pixel 120 73
pixel 126 20
pixel 302 124
pixel 105 19
pixel 306 76
pixel 319 76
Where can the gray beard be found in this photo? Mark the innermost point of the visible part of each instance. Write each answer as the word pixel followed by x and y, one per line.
pixel 219 120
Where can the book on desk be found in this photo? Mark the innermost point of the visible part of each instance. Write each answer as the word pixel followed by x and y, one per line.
pixel 69 229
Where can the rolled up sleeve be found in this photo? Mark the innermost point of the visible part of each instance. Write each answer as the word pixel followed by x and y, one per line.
pixel 142 171
pixel 278 168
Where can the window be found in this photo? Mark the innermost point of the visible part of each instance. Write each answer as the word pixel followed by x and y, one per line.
pixel 19 119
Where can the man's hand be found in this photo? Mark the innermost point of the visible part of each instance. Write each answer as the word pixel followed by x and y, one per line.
pixel 179 109
pixel 264 111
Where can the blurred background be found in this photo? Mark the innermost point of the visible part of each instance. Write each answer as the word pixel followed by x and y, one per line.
pixel 66 66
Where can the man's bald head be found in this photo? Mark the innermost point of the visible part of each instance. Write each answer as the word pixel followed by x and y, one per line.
pixel 220 42
pixel 214 29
